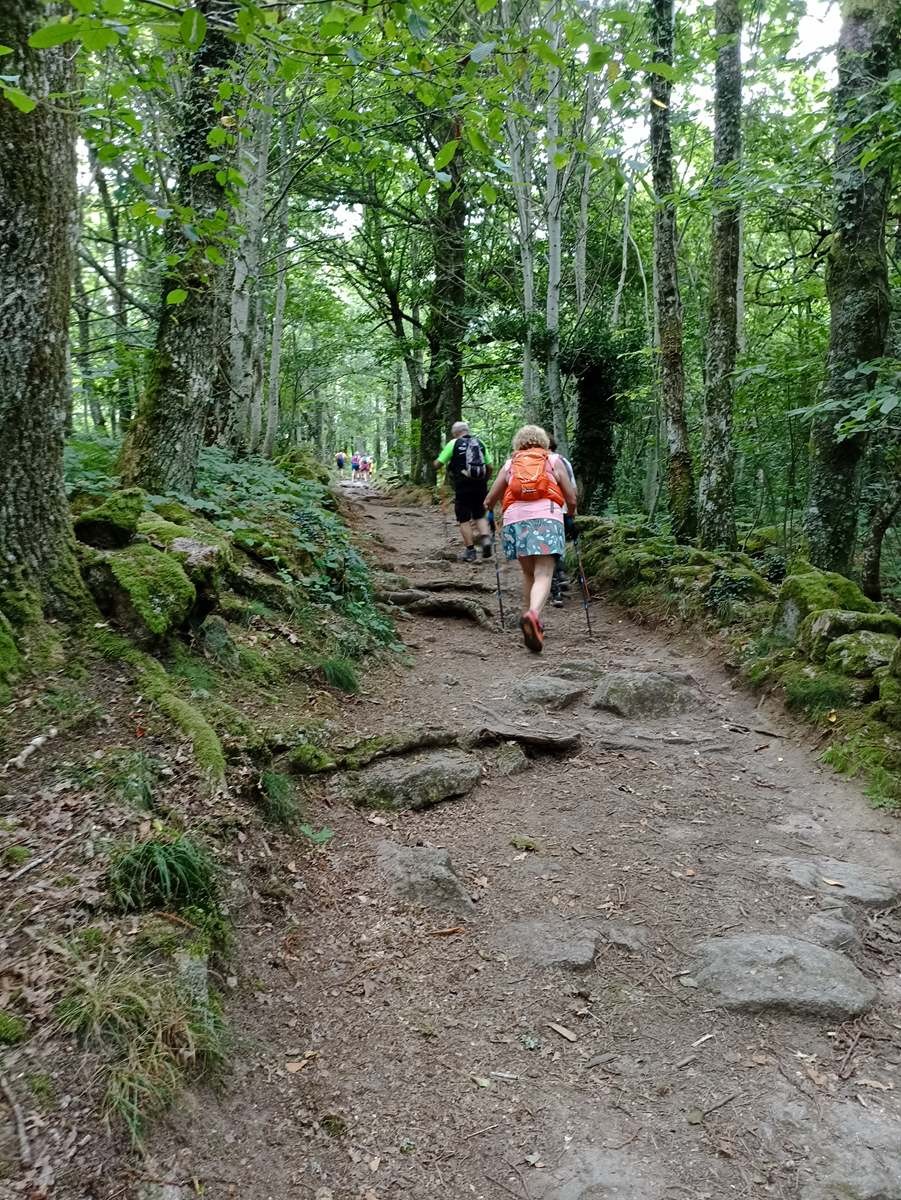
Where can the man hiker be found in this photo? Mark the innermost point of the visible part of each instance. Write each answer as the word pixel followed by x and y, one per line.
pixel 465 461
pixel 340 461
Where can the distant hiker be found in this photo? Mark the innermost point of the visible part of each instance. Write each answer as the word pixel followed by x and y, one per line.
pixel 366 466
pixel 559 583
pixel 340 461
pixel 466 464
pixel 535 486
pixel 355 466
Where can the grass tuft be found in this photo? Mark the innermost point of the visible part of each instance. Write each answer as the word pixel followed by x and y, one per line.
pixel 279 801
pixel 340 673
pixel 170 872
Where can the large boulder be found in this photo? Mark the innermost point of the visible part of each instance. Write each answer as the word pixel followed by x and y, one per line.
pixel 144 591
pixel 890 692
pixel 860 654
pixel 547 691
pixel 413 783
pixel 642 694
pixel 819 628
pixel 754 972
pixel 423 875
pixel 111 524
pixel 811 591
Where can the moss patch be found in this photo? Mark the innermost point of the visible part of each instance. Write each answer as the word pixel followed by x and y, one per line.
pixel 12 1029
pixel 145 591
pixel 10 659
pixel 113 523
pixel 860 654
pixel 814 590
pixel 819 628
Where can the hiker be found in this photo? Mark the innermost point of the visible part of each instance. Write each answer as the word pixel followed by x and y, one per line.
pixel 535 486
pixel 366 465
pixel 355 466
pixel 340 461
pixel 559 583
pixel 465 461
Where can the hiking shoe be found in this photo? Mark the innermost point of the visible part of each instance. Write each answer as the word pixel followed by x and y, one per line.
pixel 557 601
pixel 532 631
pixel 469 554
pixel 486 548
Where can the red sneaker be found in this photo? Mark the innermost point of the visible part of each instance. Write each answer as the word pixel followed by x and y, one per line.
pixel 532 631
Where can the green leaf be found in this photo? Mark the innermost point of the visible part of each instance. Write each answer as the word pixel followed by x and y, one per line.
pixel 476 140
pixel 561 158
pixel 56 34
pixel 99 37
pixel 417 25
pixel 485 6
pixel 192 28
pixel 19 99
pixel 548 54
pixel 633 60
pixel 215 255
pixel 618 90
pixel 445 154
pixel 488 193
pixel 620 16
pixel 599 57
pixel 664 70
pixel 5 50
pixel 177 296
pixel 217 136
pixel 142 175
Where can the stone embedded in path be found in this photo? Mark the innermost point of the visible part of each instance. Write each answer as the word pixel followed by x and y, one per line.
pixel 548 942
pixel 412 782
pixel 855 1155
pixel 626 937
pixel 831 930
pixel 753 972
pixel 642 694
pixel 423 875
pixel 508 759
pixel 578 668
pixel 549 691
pixel 870 886
pixel 595 1174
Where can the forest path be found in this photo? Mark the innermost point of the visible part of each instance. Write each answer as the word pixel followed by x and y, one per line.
pixel 386 1051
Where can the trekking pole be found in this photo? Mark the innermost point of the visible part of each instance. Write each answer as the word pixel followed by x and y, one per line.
pixel 497 569
pixel 584 582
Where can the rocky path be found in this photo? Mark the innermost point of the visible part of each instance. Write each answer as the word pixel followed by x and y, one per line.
pixel 665 964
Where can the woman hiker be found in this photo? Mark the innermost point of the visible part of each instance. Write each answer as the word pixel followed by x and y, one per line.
pixel 535 486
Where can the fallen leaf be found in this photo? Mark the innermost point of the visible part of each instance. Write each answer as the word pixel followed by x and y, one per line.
pixel 833 882
pixel 534 1160
pixel 481 1081
pixel 694 1116
pixel 562 1030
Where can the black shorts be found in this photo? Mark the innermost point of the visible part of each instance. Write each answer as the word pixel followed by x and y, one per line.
pixel 469 500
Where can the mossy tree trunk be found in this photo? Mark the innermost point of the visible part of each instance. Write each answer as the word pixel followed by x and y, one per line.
pixel 37 257
pixel 856 280
pixel 164 441
pixel 716 502
pixel 679 471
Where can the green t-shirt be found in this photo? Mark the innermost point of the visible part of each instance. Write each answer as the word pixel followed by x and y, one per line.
pixel 447 453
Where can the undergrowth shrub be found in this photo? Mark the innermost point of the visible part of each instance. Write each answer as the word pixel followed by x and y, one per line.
pixel 816 694
pixel 150 1032
pixel 872 752
pixel 278 799
pixel 166 871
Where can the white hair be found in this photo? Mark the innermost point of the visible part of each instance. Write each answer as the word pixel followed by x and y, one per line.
pixel 459 428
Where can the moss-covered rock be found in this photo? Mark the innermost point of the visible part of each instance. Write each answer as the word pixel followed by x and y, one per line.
pixel 270 590
pixel 890 701
pixel 819 628
pixel 159 530
pixel 894 667
pixel 113 523
pixel 860 654
pixel 144 591
pixel 815 690
pixel 300 464
pixel 762 539
pixel 309 759
pixel 811 591
pixel 171 510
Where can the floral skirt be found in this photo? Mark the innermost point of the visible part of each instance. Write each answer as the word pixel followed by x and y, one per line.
pixel 539 536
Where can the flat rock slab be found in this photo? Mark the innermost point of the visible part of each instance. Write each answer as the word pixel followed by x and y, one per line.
pixel 424 875
pixel 857 1155
pixel 758 971
pixel 549 691
pixel 642 694
pixel 579 669
pixel 414 783
pixel 548 942
pixel 869 886
pixel 600 1175
pixel 828 929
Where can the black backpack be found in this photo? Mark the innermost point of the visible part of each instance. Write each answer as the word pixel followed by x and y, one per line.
pixel 468 460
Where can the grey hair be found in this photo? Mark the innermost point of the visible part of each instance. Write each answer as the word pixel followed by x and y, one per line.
pixel 459 428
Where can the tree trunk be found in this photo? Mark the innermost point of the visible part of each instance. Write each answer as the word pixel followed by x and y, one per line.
pixel 37 236
pixel 554 207
pixel 118 294
pixel 716 501
pixel 164 442
pixel 679 474
pixel 880 519
pixel 856 280
pixel 624 265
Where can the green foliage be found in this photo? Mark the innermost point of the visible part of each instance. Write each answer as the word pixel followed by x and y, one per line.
pixel 12 1029
pixel 16 856
pixel 279 799
pixel 168 871
pixel 814 691
pixel 341 674
pixel 150 1031
pixel 872 750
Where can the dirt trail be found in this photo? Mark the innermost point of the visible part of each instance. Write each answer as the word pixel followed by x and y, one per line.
pixel 388 1051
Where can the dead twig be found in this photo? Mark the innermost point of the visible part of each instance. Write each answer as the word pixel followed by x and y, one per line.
pixel 25 1155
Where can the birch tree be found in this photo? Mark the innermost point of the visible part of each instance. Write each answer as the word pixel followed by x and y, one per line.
pixel 716 506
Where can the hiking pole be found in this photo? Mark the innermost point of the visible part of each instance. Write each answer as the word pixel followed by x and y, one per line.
pixel 584 582
pixel 497 568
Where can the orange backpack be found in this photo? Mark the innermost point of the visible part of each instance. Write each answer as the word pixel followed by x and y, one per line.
pixel 531 478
